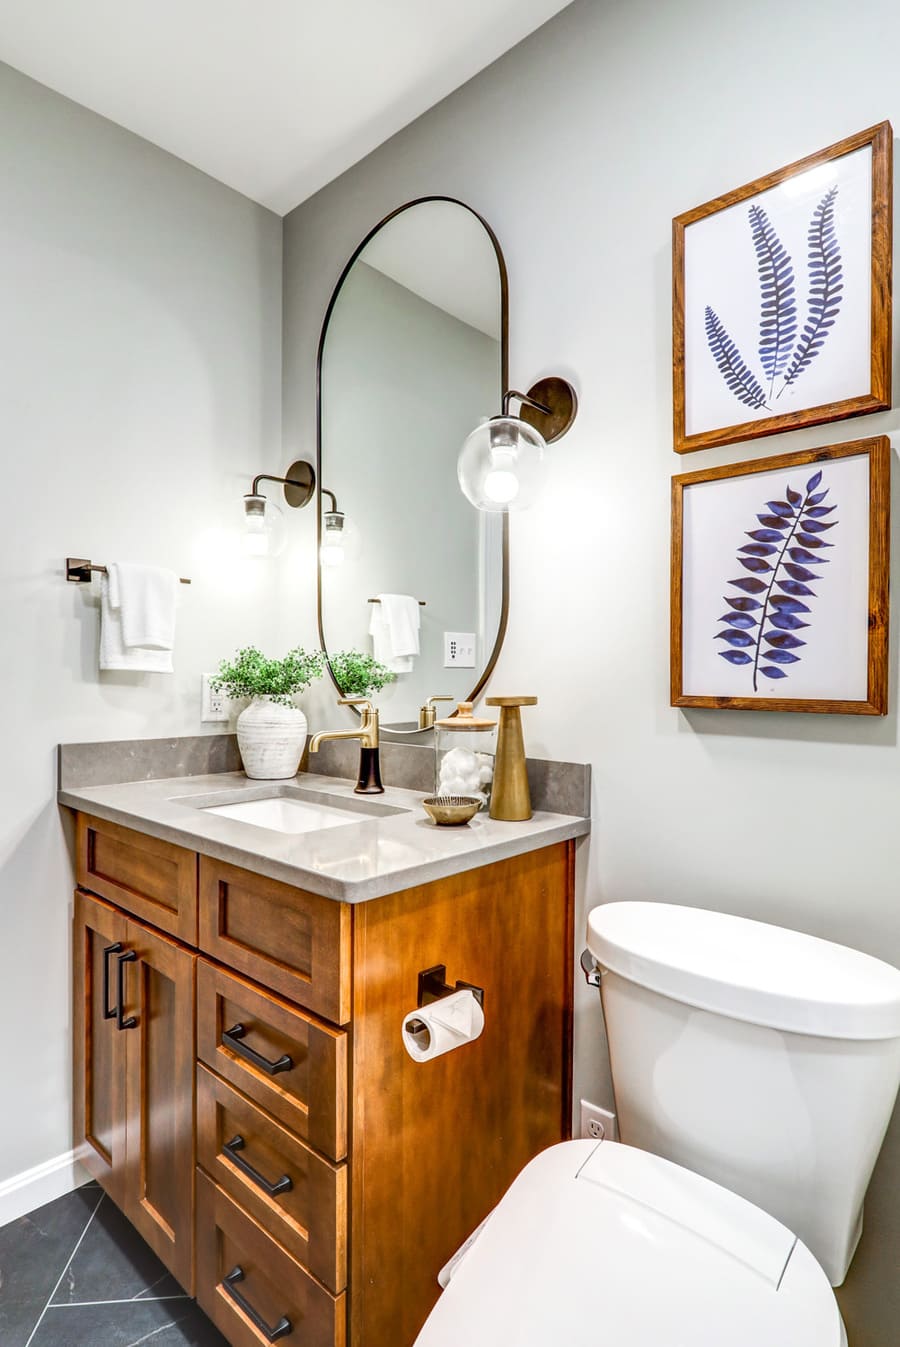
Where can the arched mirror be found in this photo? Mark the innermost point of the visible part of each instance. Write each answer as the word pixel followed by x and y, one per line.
pixel 413 353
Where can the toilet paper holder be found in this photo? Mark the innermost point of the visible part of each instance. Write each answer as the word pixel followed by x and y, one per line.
pixel 433 986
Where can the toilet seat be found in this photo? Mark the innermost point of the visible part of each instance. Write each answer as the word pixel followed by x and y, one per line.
pixel 603 1245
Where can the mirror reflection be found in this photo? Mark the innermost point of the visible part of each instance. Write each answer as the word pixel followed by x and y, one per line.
pixel 412 356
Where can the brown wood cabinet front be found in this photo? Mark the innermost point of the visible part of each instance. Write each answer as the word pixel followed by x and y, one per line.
pixel 294 942
pixel 251 1288
pixel 99 1047
pixel 327 1158
pixel 153 880
pixel 134 1074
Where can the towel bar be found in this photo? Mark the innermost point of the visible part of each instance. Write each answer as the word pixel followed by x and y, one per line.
pixel 78 570
pixel 421 602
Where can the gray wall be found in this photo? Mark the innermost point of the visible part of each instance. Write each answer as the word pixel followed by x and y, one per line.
pixel 140 343
pixel 579 147
pixel 390 457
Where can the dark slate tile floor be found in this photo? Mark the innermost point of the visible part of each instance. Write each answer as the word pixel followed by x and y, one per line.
pixel 76 1274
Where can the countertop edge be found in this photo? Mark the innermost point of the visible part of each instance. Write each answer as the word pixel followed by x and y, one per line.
pixel 346 891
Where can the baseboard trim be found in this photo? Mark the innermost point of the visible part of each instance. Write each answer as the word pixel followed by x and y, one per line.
pixel 35 1187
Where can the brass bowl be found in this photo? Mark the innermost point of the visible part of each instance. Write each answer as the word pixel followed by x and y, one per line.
pixel 450 811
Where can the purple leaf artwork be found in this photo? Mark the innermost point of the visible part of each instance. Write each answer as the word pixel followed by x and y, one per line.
pixel 782 560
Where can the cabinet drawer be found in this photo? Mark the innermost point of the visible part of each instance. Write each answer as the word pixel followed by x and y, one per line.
pixel 308 1091
pixel 295 942
pixel 244 1278
pixel 308 1216
pixel 151 879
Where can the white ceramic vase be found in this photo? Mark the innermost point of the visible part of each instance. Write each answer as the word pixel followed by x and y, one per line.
pixel 271 738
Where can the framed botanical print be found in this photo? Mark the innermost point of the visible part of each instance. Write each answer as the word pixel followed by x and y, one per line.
pixel 782 298
pixel 780 582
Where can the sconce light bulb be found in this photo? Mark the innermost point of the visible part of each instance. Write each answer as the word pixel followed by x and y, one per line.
pixel 264 531
pixel 501 485
pixel 331 553
pixel 502 465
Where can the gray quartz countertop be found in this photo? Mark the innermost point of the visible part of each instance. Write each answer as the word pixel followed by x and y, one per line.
pixel 359 860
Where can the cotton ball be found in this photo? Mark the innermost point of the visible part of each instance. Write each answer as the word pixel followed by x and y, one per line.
pixel 485 774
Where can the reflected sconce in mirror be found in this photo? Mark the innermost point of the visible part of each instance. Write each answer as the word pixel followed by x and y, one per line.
pixel 502 464
pixel 264 527
pixel 331 553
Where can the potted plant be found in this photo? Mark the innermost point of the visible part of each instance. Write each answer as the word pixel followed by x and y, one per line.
pixel 359 675
pixel 271 731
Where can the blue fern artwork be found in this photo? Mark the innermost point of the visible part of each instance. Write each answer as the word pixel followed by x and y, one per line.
pixel 761 630
pixel 785 350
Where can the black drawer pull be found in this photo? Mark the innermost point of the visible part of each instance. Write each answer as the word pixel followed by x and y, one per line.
pixel 281 1329
pixel 123 1022
pixel 109 1012
pixel 233 1038
pixel 283 1185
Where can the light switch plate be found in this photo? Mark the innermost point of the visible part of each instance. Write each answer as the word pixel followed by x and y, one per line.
pixel 459 650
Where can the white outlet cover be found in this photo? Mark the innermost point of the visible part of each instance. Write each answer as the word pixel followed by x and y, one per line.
pixel 596 1123
pixel 213 705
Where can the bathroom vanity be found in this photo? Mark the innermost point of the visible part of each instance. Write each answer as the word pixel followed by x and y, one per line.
pixel 242 1090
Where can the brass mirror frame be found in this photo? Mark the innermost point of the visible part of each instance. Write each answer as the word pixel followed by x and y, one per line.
pixel 504 383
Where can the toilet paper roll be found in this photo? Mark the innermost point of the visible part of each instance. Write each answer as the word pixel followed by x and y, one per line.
pixel 441 1026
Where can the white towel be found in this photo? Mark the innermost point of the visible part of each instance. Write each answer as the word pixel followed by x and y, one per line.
pixel 394 628
pixel 137 618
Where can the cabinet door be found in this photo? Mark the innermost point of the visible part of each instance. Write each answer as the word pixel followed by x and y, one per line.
pixel 158 1005
pixel 99 1046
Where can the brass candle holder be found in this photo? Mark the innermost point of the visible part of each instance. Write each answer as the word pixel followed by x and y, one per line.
pixel 510 796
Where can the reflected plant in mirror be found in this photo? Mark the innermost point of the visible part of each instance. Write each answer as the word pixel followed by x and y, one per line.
pixel 357 674
pixel 412 355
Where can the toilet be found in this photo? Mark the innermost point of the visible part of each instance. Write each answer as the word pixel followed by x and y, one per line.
pixel 755 1070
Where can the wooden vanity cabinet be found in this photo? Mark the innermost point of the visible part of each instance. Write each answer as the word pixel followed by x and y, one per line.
pixel 334 1175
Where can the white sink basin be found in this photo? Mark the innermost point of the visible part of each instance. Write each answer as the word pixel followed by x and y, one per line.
pixel 293 810
pixel 285 815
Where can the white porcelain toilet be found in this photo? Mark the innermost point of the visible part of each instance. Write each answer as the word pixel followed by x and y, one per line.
pixel 755 1070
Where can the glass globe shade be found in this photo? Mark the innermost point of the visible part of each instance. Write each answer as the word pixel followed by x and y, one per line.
pixel 502 465
pixel 264 532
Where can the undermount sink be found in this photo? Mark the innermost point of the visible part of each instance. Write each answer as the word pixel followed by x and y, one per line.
pixel 291 809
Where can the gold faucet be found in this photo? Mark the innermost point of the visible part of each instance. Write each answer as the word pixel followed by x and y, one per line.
pixel 369 780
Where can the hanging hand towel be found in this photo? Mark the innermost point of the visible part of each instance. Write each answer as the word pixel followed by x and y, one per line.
pixel 137 618
pixel 394 628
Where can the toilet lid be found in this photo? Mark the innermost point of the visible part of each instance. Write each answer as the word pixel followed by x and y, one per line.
pixel 602 1245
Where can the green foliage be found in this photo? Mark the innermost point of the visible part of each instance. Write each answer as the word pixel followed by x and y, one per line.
pixel 250 674
pixel 359 675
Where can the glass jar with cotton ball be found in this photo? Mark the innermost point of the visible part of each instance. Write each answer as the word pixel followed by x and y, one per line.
pixel 464 750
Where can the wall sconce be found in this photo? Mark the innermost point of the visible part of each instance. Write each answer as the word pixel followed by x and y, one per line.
pixel 331 553
pixel 264 528
pixel 502 464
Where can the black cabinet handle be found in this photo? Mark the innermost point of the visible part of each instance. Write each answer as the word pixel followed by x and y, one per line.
pixel 282 1185
pixel 281 1329
pixel 233 1038
pixel 109 1012
pixel 123 1022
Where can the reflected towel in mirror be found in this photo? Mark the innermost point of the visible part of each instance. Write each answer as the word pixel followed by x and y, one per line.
pixel 394 628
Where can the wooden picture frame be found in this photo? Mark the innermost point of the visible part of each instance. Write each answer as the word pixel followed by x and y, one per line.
pixel 748 630
pixel 781 298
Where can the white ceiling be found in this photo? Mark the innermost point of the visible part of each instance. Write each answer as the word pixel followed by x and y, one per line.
pixel 273 97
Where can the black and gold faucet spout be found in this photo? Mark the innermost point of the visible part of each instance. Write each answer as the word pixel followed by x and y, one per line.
pixel 369 781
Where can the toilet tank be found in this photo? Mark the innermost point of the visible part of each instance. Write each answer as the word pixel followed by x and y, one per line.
pixel 762 1058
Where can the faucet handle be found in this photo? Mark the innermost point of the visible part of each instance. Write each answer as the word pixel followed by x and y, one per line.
pixel 354 701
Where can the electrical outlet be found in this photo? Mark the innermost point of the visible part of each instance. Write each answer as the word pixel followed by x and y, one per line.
pixel 459 650
pixel 213 705
pixel 598 1124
